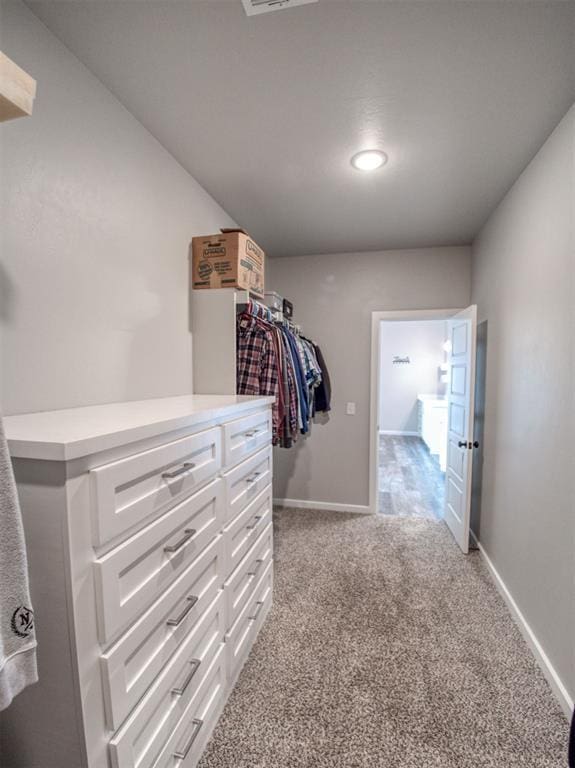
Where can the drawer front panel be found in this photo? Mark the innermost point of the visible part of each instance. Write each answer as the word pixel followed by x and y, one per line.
pixel 240 638
pixel 244 437
pixel 241 584
pixel 246 481
pixel 130 493
pixel 134 574
pixel 131 665
pixel 142 737
pixel 242 532
pixel 188 740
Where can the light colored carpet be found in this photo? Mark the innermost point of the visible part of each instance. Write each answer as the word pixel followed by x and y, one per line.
pixel 386 648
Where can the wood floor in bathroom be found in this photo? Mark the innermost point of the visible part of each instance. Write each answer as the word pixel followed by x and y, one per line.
pixel 411 483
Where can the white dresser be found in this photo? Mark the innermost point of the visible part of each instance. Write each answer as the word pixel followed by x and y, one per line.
pixel 149 536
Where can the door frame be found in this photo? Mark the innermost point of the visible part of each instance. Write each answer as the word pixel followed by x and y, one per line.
pixel 376 318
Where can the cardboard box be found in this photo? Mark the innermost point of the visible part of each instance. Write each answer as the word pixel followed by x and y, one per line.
pixel 17 90
pixel 230 259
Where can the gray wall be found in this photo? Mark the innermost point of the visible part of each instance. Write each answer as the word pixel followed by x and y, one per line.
pixel 334 296
pixel 96 218
pixel 522 281
pixel 400 383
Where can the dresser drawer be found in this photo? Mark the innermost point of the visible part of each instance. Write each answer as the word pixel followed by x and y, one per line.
pixel 240 638
pixel 246 436
pixel 241 584
pixel 135 573
pixel 189 738
pixel 246 481
pixel 132 492
pixel 142 737
pixel 131 665
pixel 241 533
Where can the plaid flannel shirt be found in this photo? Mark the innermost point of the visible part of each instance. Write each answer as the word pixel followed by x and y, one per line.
pixel 257 365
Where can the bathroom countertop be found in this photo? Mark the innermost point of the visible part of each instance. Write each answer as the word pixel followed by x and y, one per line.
pixel 432 398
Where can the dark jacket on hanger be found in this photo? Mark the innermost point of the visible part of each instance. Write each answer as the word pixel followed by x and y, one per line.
pixel 322 394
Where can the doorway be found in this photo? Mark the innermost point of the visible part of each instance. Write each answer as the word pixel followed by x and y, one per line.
pixel 422 415
pixel 412 418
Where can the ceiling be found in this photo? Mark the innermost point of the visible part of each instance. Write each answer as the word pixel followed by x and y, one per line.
pixel 265 112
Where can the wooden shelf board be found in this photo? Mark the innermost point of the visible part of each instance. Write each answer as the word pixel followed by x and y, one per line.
pixel 17 90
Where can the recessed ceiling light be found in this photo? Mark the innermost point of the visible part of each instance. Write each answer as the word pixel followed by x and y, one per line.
pixel 369 160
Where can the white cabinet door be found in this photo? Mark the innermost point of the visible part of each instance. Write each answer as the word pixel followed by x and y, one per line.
pixel 132 576
pixel 186 743
pixel 130 666
pixel 242 532
pixel 131 492
pixel 241 637
pixel 245 436
pixel 239 586
pixel 143 735
pixel 246 481
pixel 462 334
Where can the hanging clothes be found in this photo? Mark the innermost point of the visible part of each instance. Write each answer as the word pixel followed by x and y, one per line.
pixel 312 371
pixel 292 415
pixel 300 377
pixel 274 359
pixel 258 364
pixel 323 390
pixel 17 635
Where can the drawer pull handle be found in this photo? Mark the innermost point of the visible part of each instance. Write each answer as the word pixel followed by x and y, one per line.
pixel 192 600
pixel 252 433
pixel 257 518
pixel 181 754
pixel 258 565
pixel 259 605
pixel 180 690
pixel 187 465
pixel 253 478
pixel 188 534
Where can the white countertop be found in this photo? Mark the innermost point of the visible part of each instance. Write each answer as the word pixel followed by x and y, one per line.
pixel 434 399
pixel 75 432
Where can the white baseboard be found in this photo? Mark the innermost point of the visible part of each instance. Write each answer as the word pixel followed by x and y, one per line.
pixel 399 432
pixel 328 506
pixel 560 691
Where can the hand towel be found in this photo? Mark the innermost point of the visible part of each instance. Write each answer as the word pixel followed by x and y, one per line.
pixel 17 637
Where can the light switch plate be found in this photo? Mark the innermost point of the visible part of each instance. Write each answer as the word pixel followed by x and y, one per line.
pixel 350 409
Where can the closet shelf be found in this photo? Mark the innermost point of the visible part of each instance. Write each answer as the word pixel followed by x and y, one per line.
pixel 17 90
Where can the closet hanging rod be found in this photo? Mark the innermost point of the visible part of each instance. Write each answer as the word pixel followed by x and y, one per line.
pixel 276 314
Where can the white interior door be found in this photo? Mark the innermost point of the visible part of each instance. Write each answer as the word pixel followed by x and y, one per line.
pixel 462 335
